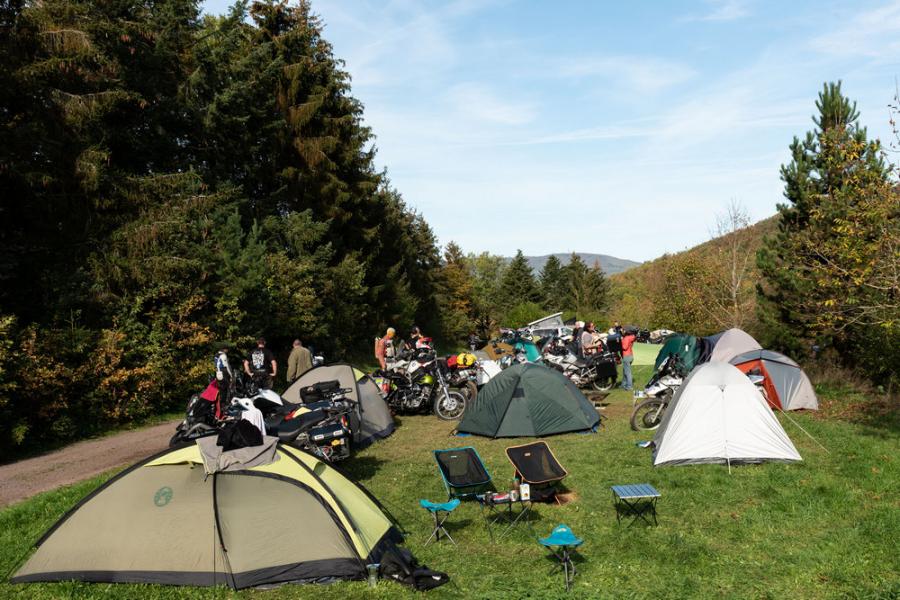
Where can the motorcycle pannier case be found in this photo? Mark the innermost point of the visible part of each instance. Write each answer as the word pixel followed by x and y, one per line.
pixel 327 433
pixel 319 391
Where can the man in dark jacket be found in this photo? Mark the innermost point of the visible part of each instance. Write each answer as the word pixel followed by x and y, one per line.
pixel 263 365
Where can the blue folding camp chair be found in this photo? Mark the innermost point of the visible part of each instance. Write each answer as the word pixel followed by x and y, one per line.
pixel 463 472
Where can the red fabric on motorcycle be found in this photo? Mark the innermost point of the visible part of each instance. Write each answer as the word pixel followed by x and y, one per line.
pixel 451 362
pixel 211 392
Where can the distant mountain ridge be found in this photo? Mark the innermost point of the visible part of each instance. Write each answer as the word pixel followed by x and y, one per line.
pixel 610 264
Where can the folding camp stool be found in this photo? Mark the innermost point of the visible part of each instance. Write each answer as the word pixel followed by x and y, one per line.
pixel 636 500
pixel 562 543
pixel 436 509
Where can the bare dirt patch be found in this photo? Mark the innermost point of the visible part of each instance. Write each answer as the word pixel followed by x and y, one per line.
pixel 23 479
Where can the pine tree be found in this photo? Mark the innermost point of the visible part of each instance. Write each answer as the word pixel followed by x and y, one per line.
pixel 518 285
pixel 814 172
pixel 456 299
pixel 587 289
pixel 552 285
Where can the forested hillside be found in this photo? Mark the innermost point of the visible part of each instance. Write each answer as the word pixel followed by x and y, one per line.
pixel 821 277
pixel 172 182
pixel 704 289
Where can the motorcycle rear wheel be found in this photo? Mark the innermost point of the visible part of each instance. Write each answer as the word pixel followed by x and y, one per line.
pixel 648 414
pixel 603 384
pixel 450 407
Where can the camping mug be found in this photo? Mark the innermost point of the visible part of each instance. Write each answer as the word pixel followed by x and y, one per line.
pixel 373 574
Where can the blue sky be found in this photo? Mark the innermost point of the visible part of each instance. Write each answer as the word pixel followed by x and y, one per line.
pixel 620 128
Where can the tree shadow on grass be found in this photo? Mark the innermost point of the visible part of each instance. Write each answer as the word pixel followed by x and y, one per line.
pixel 362 467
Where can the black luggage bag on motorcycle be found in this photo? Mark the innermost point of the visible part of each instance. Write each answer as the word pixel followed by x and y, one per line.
pixel 317 392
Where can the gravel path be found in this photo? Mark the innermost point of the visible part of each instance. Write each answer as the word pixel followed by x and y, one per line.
pixel 23 479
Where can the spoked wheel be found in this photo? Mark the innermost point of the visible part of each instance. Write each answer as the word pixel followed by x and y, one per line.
pixel 648 414
pixel 603 384
pixel 450 406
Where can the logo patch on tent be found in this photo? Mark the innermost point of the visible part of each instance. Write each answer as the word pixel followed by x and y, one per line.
pixel 163 496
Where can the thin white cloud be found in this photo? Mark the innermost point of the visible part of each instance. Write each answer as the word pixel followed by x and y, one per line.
pixel 873 34
pixel 636 73
pixel 479 102
pixel 722 10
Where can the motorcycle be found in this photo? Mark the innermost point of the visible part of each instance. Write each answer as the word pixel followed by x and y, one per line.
pixel 462 374
pixel 655 397
pixel 595 370
pixel 417 383
pixel 320 425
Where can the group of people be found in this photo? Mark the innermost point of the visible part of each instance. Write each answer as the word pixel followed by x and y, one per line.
pixel 260 363
pixel 386 351
pixel 589 342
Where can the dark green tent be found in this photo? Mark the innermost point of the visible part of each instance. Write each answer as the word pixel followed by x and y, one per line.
pixel 529 400
pixel 687 347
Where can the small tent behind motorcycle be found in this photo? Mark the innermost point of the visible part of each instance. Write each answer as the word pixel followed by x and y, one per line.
pixel 787 386
pixel 371 419
pixel 730 343
pixel 529 400
pixel 719 416
pixel 690 351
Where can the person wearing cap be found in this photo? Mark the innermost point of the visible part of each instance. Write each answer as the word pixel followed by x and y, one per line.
pixel 299 361
pixel 415 336
pixel 384 348
pixel 261 360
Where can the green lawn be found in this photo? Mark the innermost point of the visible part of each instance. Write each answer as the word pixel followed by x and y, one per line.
pixel 645 354
pixel 827 527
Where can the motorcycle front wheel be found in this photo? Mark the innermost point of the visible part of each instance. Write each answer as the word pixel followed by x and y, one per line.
pixel 450 406
pixel 648 414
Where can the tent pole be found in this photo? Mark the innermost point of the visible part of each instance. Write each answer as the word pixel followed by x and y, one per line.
pixel 803 430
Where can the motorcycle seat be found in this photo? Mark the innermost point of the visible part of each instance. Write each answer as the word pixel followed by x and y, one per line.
pixel 299 424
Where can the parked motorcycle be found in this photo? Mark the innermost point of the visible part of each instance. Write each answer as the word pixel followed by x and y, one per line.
pixel 418 383
pixel 320 425
pixel 462 374
pixel 655 397
pixel 597 371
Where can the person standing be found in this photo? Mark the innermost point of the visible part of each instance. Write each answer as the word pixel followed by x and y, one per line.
pixel 262 360
pixel 627 357
pixel 384 348
pixel 299 361
pixel 224 377
pixel 588 343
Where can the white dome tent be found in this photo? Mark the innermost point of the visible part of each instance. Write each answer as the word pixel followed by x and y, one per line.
pixel 718 416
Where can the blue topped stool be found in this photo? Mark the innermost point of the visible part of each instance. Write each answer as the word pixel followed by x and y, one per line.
pixel 562 543
pixel 436 509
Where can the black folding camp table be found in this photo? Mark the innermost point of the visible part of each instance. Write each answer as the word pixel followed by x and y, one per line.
pixel 505 513
pixel 635 500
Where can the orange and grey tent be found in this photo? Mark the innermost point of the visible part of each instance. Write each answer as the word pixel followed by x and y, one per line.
pixel 787 386
pixel 180 518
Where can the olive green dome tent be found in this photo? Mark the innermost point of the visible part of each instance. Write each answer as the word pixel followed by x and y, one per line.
pixel 190 516
pixel 371 418
pixel 529 400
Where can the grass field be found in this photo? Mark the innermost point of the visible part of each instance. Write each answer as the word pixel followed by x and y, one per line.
pixel 827 527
